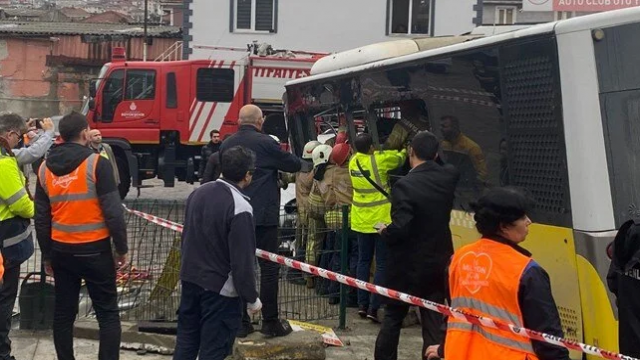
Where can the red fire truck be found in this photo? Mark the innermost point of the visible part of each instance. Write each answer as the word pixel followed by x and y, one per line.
pixel 156 115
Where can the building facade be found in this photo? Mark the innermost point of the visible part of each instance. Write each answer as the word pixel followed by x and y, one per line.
pixel 322 26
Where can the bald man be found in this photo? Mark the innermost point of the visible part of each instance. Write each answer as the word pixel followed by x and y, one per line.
pixel 264 197
pixel 95 137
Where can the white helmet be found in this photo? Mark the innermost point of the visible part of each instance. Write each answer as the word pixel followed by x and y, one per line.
pixel 321 155
pixel 308 149
pixel 275 138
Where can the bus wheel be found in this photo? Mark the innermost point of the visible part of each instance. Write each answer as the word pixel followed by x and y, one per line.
pixel 125 177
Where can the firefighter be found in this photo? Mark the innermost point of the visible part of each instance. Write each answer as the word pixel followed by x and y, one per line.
pixel 316 208
pixel 16 208
pixel 371 207
pixel 304 182
pixel 496 278
pixel 337 191
pixel 414 119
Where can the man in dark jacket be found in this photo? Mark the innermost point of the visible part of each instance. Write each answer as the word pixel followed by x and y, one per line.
pixel 624 282
pixel 212 147
pixel 218 257
pixel 418 242
pixel 265 200
pixel 78 212
pixel 212 170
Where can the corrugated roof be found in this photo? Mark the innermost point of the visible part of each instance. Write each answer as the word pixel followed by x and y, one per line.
pixel 79 28
pixel 75 12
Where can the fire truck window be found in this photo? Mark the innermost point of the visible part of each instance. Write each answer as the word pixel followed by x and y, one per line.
pixel 112 95
pixel 172 91
pixel 215 85
pixel 141 85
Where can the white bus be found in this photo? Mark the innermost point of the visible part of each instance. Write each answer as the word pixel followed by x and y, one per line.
pixel 554 108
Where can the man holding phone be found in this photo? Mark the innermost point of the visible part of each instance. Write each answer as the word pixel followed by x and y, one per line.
pixel 43 134
pixel 418 241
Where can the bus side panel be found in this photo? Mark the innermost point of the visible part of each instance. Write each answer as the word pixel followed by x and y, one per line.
pixel 599 313
pixel 553 248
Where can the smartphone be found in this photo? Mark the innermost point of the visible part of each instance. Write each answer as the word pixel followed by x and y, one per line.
pixel 39 123
pixel 379 226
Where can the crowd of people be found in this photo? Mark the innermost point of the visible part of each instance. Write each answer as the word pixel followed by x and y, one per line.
pixel 398 236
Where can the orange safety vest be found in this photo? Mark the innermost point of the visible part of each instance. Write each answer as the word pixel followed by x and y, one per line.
pixel 76 215
pixel 484 278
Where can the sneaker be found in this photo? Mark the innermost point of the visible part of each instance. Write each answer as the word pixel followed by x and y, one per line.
pixel 245 330
pixel 373 316
pixel 276 328
pixel 362 311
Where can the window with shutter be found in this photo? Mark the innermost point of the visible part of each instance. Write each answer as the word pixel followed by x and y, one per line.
pixel 254 15
pixel 244 14
pixel 264 15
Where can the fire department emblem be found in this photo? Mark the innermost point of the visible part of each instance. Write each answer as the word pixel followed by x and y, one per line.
pixel 133 107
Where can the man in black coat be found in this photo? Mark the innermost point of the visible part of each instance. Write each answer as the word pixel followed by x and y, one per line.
pixel 624 282
pixel 211 148
pixel 265 200
pixel 418 242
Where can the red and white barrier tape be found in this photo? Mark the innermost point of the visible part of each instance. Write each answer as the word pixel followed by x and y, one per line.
pixel 409 299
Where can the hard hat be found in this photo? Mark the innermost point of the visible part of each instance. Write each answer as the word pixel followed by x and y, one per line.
pixel 308 149
pixel 342 138
pixel 321 155
pixel 340 154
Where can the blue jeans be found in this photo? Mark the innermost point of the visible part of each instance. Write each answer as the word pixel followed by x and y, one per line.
pixel 207 324
pixel 367 245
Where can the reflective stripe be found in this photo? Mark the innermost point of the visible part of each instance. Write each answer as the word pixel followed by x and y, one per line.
pixel 376 173
pixel 17 196
pixel 492 310
pixel 16 239
pixel 524 345
pixel 371 204
pixel 78 228
pixel 365 191
pixel 71 197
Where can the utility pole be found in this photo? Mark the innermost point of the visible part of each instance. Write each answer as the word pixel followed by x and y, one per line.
pixel 145 38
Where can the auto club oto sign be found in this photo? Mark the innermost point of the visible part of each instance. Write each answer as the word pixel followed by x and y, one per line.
pixel 577 5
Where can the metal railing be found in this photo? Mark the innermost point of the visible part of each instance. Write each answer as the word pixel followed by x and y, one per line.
pixel 173 53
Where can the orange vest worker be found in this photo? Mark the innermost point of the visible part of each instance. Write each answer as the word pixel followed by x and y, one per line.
pixel 484 279
pixel 75 210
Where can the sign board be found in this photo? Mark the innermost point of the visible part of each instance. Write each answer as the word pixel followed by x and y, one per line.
pixel 577 5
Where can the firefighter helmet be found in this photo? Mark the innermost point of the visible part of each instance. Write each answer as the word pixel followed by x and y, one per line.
pixel 321 155
pixel 308 149
pixel 340 154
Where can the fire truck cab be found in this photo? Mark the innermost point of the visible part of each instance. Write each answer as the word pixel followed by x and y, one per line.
pixel 157 115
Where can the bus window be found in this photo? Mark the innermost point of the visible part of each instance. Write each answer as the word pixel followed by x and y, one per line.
pixel 112 95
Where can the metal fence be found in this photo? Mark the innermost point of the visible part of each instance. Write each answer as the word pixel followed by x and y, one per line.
pixel 149 290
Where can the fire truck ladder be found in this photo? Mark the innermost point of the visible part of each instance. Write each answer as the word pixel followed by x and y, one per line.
pixel 173 53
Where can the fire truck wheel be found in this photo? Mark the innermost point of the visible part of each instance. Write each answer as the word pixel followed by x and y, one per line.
pixel 125 177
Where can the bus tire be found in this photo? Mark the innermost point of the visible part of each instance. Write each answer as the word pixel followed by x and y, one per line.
pixel 125 177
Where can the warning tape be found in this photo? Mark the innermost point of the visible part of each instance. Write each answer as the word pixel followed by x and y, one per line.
pixel 409 299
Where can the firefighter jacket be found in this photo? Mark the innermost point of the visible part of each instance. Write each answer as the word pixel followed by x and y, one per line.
pixel 370 206
pixel 491 278
pixel 403 132
pixel 79 207
pixel 463 145
pixel 315 204
pixel 336 191
pixel 16 208
pixel 304 182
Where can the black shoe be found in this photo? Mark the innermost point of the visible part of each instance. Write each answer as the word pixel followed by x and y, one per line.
pixel 276 328
pixel 373 316
pixel 362 311
pixel 245 330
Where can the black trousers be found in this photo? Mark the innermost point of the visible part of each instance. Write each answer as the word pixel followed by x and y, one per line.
pixel 207 324
pixel 99 273
pixel 394 314
pixel 8 293
pixel 267 240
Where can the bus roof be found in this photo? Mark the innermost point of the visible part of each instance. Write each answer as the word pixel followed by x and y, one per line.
pixel 600 20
